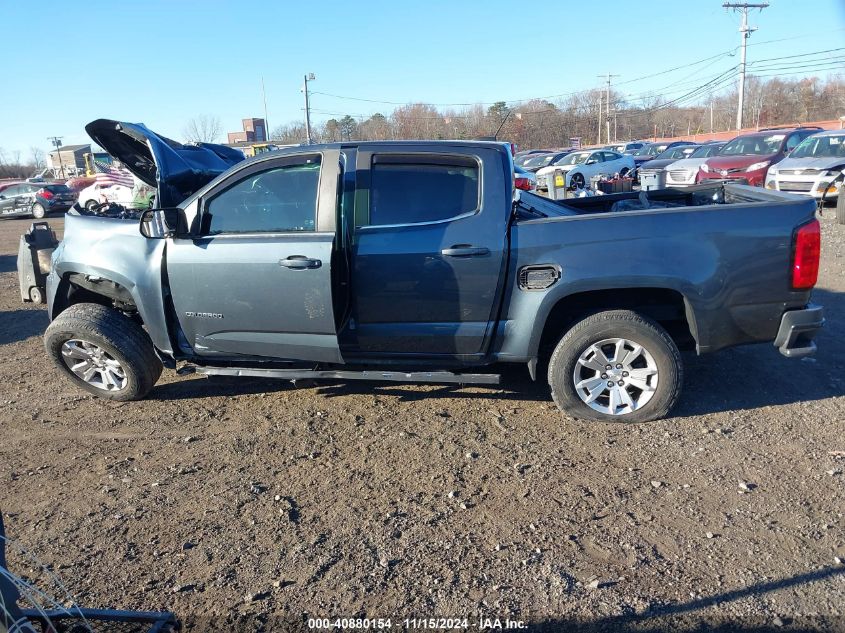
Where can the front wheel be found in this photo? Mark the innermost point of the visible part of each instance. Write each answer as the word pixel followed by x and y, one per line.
pixel 38 211
pixel 624 172
pixel 616 366
pixel 576 181
pixel 103 351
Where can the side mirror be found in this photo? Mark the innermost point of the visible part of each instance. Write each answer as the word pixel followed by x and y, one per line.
pixel 592 161
pixel 162 223
pixel 2 197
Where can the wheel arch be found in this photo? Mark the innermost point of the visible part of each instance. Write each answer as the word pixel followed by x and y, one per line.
pixel 667 306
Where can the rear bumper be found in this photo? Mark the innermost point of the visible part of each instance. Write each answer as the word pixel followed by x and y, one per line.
pixel 797 329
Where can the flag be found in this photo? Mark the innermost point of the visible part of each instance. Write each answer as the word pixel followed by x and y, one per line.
pixel 108 175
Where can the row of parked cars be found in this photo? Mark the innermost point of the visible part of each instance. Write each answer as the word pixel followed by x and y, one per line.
pixel 37 198
pixel 803 160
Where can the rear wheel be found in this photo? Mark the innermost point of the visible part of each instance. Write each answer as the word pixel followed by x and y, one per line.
pixel 616 366
pixel 623 172
pixel 90 205
pixel 38 211
pixel 103 351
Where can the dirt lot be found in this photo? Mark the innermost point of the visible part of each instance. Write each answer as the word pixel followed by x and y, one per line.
pixel 258 501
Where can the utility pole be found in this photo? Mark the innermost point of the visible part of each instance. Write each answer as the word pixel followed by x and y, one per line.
pixel 745 32
pixel 607 77
pixel 57 143
pixel 711 114
pixel 308 77
pixel 598 142
pixel 266 120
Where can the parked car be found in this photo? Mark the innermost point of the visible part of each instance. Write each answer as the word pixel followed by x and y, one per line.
pixel 544 160
pixel 281 267
pixel 35 199
pixel 667 157
pixel 811 168
pixel 100 193
pixel 749 156
pixel 650 151
pixel 524 179
pixel 580 166
pixel 684 172
pixel 625 148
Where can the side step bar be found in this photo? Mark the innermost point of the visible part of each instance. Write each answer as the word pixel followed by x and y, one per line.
pixel 436 377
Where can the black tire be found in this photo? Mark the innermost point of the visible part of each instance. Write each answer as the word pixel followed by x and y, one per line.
pixel 616 324
pixel 90 204
pixel 624 172
pixel 115 334
pixel 38 211
pixel 576 181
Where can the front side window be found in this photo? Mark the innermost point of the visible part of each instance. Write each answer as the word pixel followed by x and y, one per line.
pixel 417 189
pixel 279 200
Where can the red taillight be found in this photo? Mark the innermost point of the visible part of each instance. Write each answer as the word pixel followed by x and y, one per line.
pixel 46 194
pixel 522 183
pixel 806 256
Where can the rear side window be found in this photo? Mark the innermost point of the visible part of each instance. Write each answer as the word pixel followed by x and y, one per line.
pixel 411 190
pixel 57 188
pixel 279 200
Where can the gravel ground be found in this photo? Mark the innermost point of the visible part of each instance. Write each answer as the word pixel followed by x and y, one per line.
pixel 258 503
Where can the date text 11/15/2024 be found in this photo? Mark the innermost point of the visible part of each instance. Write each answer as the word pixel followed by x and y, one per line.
pixel 481 623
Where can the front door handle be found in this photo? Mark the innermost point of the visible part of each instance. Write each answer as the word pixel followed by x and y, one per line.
pixel 300 262
pixel 465 250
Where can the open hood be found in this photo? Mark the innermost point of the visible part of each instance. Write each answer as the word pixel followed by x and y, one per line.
pixel 176 170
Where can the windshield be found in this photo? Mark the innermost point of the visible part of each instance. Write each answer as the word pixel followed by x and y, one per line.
pixel 821 147
pixel 539 160
pixel 758 145
pixel 650 150
pixel 524 159
pixel 57 188
pixel 681 151
pixel 575 158
pixel 706 150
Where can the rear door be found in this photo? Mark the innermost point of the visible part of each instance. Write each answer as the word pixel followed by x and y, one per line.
pixel 256 278
pixel 429 250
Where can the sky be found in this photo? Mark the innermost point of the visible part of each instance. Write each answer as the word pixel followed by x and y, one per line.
pixel 162 62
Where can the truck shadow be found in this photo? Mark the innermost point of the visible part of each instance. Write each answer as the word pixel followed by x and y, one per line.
pixel 8 263
pixel 693 616
pixel 749 377
pixel 19 325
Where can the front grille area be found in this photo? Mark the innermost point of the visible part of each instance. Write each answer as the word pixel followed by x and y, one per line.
pixel 799 172
pixel 789 185
pixel 679 175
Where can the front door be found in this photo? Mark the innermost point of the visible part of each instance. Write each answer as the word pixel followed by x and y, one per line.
pixel 256 279
pixel 429 249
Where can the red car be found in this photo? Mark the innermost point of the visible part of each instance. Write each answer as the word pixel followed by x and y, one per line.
pixel 749 156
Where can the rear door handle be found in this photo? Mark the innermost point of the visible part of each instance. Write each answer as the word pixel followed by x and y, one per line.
pixel 300 262
pixel 465 250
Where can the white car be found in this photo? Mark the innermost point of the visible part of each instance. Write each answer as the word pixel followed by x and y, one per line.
pixel 99 193
pixel 683 173
pixel 811 167
pixel 580 166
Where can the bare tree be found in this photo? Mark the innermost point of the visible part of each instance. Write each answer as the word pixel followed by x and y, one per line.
pixel 36 158
pixel 203 128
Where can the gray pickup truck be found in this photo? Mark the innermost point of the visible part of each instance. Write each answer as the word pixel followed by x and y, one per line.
pixel 418 261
